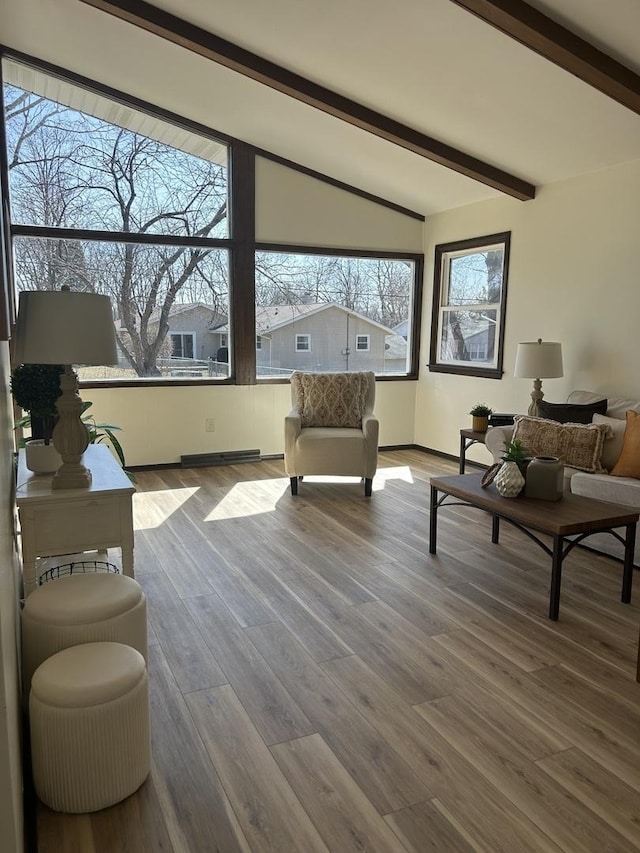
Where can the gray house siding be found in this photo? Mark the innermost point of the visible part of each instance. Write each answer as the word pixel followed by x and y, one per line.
pixel 196 321
pixel 332 332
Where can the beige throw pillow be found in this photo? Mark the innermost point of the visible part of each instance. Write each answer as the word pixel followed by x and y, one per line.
pixel 613 442
pixel 577 445
pixel 330 399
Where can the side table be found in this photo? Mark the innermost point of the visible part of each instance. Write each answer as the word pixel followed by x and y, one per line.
pixel 69 521
pixel 469 437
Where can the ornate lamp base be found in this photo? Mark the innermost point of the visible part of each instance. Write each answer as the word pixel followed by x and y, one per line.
pixel 70 436
pixel 536 396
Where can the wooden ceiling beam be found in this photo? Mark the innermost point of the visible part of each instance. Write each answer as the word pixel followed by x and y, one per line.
pixel 223 52
pixel 559 45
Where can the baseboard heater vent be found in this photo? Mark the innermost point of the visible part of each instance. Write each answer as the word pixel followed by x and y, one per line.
pixel 229 457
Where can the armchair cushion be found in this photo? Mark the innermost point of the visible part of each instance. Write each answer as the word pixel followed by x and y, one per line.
pixel 330 399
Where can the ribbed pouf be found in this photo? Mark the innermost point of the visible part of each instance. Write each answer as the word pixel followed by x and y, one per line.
pixel 82 608
pixel 89 721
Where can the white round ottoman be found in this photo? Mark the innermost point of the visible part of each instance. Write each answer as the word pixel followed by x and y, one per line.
pixel 82 608
pixel 89 721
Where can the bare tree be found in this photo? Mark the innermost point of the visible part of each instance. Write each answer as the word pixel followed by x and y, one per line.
pixel 74 171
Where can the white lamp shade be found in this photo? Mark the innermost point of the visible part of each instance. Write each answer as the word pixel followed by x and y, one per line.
pixel 538 360
pixel 64 327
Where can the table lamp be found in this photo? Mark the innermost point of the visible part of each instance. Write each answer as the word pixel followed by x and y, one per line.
pixel 538 360
pixel 64 327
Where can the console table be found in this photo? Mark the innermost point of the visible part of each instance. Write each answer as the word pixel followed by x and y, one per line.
pixel 69 521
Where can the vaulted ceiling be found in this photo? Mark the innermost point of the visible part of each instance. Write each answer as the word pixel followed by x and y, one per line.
pixel 429 66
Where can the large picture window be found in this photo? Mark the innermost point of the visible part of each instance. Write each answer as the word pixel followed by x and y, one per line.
pixel 114 209
pixel 356 310
pixel 130 201
pixel 469 303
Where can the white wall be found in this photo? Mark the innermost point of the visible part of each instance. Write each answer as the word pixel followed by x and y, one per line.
pixel 10 761
pixel 161 424
pixel 292 207
pixel 573 277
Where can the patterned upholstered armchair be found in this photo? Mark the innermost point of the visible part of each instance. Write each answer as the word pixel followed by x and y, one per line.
pixel 331 428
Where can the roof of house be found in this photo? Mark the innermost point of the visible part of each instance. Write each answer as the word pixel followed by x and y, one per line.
pixel 177 309
pixel 271 318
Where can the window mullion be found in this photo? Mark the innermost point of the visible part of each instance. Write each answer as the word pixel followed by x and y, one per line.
pixel 242 264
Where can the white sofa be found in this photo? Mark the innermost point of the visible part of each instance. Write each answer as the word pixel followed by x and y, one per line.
pixel 604 487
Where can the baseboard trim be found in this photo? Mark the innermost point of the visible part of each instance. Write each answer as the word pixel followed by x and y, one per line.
pixel 452 456
pixel 274 457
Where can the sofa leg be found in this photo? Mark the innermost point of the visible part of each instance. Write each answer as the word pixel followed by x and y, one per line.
pixel 368 483
pixel 294 485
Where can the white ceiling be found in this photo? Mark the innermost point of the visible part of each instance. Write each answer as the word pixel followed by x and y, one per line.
pixel 426 63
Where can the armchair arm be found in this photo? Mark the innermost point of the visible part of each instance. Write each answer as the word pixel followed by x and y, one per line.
pixel 370 428
pixel 292 428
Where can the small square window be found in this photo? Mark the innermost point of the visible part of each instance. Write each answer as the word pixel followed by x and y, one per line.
pixel 303 343
pixel 258 341
pixel 363 343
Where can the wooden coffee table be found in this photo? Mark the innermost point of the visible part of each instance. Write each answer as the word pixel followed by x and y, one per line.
pixel 568 521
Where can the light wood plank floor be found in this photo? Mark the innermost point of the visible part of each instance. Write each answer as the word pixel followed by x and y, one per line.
pixel 320 682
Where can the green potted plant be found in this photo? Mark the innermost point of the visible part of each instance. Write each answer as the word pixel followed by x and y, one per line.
pixel 480 415
pixel 518 453
pixel 510 479
pixel 35 388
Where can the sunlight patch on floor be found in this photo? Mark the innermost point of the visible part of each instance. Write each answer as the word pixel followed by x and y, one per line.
pixel 249 498
pixel 151 509
pixel 398 472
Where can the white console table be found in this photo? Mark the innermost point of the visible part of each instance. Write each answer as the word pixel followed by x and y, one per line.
pixel 69 521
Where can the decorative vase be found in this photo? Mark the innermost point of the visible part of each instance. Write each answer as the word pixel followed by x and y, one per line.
pixel 509 481
pixel 480 423
pixel 41 458
pixel 545 478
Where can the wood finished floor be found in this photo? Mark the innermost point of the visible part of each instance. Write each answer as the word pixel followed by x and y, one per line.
pixel 320 682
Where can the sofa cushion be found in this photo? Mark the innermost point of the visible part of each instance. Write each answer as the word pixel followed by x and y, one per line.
pixel 613 442
pixel 578 445
pixel 330 399
pixel 571 413
pixel 628 464
pixel 617 406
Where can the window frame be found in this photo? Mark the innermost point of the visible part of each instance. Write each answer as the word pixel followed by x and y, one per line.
pixel 442 255
pixel 367 348
pixel 183 335
pixel 241 243
pixel 300 335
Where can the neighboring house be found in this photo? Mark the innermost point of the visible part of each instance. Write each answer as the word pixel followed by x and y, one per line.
pixel 321 336
pixel 190 333
pixel 317 336
pixel 479 345
pixel 402 329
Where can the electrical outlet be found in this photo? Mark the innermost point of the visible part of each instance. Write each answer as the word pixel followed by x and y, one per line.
pixel 210 424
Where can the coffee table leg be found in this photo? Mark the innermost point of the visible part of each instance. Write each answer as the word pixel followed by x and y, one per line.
pixel 627 574
pixel 433 520
pixel 556 577
pixel 495 529
pixel 463 450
